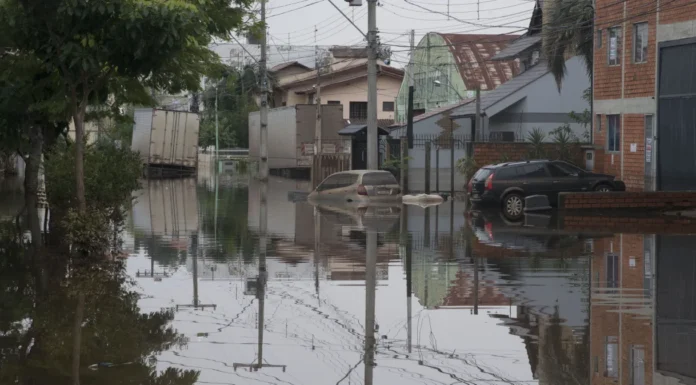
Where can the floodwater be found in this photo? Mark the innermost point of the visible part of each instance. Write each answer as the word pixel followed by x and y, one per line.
pixel 450 296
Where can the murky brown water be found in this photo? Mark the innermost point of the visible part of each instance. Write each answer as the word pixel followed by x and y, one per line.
pixel 458 297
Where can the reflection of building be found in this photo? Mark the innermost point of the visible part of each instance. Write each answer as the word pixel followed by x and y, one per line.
pixel 624 320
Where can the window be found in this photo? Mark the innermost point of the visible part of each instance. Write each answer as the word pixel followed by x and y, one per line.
pixel 637 365
pixel 599 38
pixel 333 102
pixel 506 173
pixel 358 110
pixel 378 179
pixel 533 171
pixel 388 106
pixel 614 46
pixel 560 169
pixel 612 265
pixel 337 181
pixel 482 174
pixel 614 133
pixel 640 43
pixel 612 357
pixel 598 123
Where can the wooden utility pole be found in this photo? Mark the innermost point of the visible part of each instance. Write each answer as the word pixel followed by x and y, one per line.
pixel 372 48
pixel 318 148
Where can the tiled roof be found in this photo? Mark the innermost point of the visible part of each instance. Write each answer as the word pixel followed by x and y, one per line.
pixel 492 97
pixel 473 55
pixel 516 47
pixel 285 65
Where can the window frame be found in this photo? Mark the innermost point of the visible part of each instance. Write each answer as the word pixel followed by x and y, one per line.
pixel 350 110
pixel 617 133
pixel 393 106
pixel 332 102
pixel 619 45
pixel 646 42
pixel 600 38
pixel 598 121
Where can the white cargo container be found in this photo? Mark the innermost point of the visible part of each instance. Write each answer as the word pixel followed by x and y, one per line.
pixel 166 140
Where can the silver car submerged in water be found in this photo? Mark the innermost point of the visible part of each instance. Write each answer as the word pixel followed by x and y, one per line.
pixel 358 186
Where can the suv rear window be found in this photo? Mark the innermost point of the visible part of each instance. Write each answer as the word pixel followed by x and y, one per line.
pixel 506 173
pixel 378 179
pixel 482 173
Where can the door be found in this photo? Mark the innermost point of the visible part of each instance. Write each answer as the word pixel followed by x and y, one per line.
pixel 676 163
pixel 564 179
pixel 534 180
pixel 359 161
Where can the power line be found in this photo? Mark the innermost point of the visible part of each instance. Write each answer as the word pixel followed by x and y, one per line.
pixel 296 9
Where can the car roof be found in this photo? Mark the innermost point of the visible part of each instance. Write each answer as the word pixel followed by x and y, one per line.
pixel 518 163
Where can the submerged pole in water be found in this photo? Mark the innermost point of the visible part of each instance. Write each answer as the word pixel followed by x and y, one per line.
pixel 370 289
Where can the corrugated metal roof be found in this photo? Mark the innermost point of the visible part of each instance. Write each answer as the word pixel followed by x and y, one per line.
pixel 492 97
pixel 358 128
pixel 473 54
pixel 516 47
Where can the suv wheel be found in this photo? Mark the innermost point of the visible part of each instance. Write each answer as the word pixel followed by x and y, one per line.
pixel 513 206
pixel 603 188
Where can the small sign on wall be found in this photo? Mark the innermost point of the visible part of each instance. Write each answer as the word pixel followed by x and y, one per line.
pixel 634 147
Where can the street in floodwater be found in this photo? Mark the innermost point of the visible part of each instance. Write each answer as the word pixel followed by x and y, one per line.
pixel 453 296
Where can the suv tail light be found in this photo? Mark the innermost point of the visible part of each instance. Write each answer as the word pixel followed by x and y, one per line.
pixel 362 190
pixel 489 182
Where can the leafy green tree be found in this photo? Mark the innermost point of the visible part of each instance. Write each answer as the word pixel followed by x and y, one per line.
pixel 90 44
pixel 568 30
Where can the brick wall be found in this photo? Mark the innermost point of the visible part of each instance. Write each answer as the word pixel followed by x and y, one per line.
pixel 628 225
pixel 677 11
pixel 633 162
pixel 607 79
pixel 493 153
pixel 639 201
pixel 639 78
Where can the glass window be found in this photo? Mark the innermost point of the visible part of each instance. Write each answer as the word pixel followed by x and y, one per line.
pixel 556 171
pixel 614 133
pixel 599 38
pixel 329 183
pixel 612 266
pixel 598 121
pixel 358 110
pixel 337 181
pixel 378 179
pixel 637 365
pixel 614 46
pixel 506 173
pixel 482 173
pixel 333 102
pixel 612 357
pixel 568 168
pixel 534 171
pixel 640 43
pixel 388 106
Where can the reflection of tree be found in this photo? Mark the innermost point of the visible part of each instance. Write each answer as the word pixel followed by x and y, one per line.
pixel 233 234
pixel 564 361
pixel 37 325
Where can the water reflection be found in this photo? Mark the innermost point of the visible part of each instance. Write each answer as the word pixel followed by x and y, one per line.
pixel 341 294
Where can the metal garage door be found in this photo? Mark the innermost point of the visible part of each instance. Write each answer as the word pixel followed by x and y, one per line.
pixel 677 116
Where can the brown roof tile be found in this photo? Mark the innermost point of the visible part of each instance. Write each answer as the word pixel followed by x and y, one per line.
pixel 473 54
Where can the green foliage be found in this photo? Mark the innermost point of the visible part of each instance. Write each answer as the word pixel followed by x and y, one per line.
pixel 566 141
pixel 504 158
pixel 235 91
pixel 467 166
pixel 584 118
pixel 107 187
pixel 395 163
pixel 536 138
pixel 567 31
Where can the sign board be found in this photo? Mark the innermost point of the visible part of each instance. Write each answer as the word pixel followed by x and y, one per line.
pixel 648 150
pixel 613 48
pixel 307 149
pixel 328 148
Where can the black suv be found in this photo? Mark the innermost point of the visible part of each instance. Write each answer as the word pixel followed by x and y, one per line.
pixel 508 183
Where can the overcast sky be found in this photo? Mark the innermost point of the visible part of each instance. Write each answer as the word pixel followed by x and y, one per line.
pixel 294 21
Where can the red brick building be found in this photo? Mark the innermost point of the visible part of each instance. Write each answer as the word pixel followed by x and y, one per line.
pixel 645 92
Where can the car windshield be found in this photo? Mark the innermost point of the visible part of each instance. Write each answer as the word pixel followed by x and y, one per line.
pixel 482 174
pixel 378 179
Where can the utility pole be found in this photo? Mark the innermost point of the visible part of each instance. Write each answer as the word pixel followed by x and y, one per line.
pixel 317 129
pixel 217 130
pixel 372 134
pixel 411 90
pixel 263 150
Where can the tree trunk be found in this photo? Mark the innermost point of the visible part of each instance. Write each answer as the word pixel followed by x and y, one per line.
pixel 77 338
pixel 31 184
pixel 79 120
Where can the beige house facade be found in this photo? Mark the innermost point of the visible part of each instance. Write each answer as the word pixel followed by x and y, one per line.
pixel 343 82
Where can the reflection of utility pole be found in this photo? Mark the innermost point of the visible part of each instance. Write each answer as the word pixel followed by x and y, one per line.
pixel 261 284
pixel 370 288
pixel 406 242
pixel 476 285
pixel 317 242
pixel 195 304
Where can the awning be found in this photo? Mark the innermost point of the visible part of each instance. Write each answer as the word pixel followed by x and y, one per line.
pixel 359 129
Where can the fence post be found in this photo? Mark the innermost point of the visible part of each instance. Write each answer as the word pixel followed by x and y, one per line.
pixel 437 168
pixel 403 173
pixel 427 167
